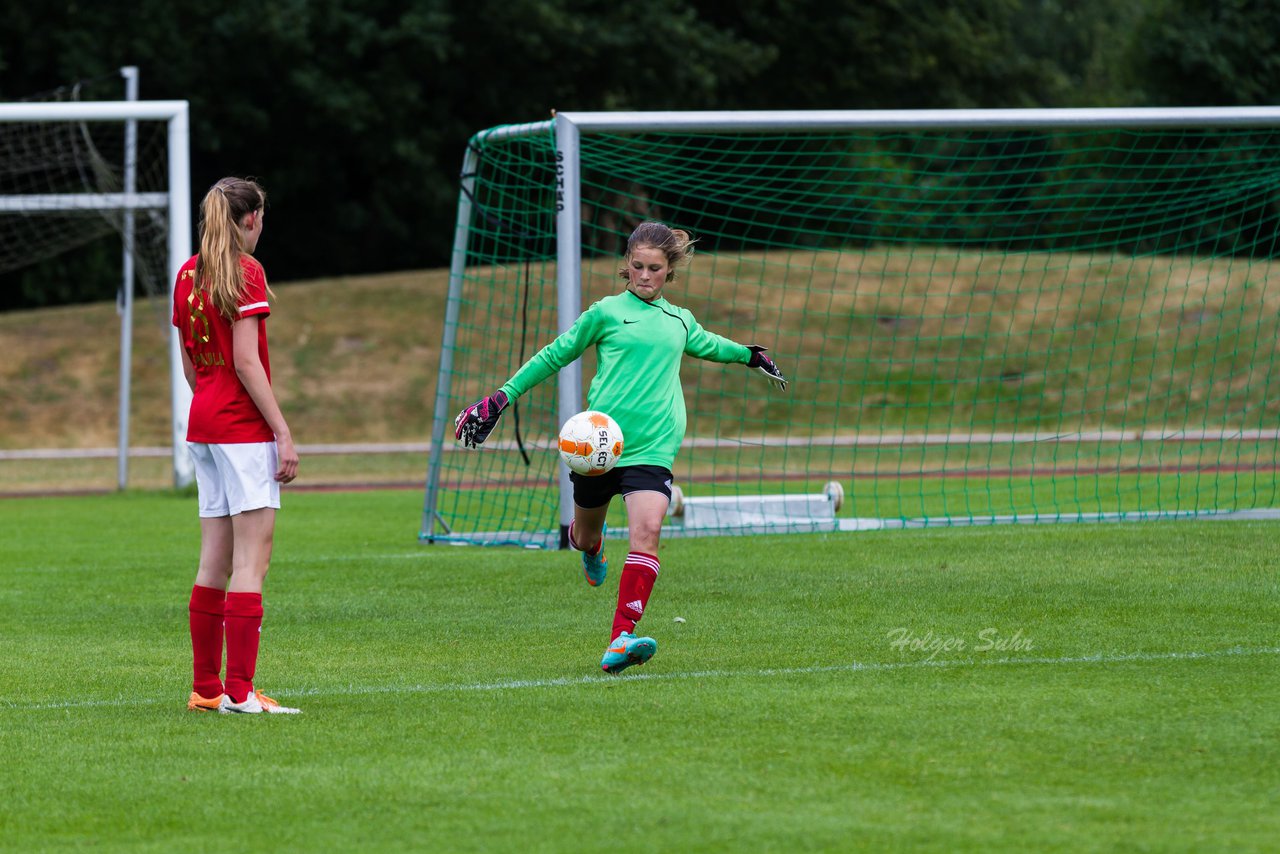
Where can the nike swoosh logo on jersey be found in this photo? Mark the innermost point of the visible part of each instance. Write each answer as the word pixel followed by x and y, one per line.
pixel 630 321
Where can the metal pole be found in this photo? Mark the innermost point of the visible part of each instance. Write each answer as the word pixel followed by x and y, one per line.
pixel 130 74
pixel 568 286
pixel 444 380
pixel 179 251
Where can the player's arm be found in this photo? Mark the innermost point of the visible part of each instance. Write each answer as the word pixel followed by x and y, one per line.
pixel 253 376
pixel 716 348
pixel 188 369
pixel 473 424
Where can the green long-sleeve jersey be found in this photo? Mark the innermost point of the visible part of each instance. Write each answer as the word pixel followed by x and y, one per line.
pixel 639 346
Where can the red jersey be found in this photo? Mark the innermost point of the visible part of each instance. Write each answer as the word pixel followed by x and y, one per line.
pixel 222 412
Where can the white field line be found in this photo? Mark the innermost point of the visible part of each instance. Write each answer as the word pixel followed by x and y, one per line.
pixel 600 680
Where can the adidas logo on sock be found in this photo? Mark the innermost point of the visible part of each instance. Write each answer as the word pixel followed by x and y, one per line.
pixel 636 606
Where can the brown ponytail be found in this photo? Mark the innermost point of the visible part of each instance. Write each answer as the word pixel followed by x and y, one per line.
pixel 676 244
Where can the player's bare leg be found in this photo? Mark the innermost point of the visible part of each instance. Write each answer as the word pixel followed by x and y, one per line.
pixel 645 514
pixel 216 542
pixel 251 554
pixel 586 534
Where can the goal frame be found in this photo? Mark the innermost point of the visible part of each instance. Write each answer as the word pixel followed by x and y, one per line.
pixel 176 202
pixel 568 128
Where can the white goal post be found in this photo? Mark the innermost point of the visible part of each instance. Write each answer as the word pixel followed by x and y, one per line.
pixel 176 203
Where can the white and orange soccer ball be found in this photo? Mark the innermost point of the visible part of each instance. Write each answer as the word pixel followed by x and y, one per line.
pixel 590 443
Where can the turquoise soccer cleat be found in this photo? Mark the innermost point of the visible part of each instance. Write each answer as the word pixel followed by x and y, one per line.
pixel 594 569
pixel 627 650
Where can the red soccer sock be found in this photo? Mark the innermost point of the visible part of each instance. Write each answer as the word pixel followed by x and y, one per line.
pixel 244 625
pixel 638 575
pixel 593 551
pixel 206 614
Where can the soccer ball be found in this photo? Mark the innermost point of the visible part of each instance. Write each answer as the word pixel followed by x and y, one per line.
pixel 590 443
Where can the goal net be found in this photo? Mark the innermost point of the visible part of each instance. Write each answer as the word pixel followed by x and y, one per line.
pixel 986 316
pixel 86 208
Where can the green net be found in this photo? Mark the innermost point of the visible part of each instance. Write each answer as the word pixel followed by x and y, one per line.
pixel 979 325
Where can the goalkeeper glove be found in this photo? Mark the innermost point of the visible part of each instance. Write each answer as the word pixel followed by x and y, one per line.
pixel 474 424
pixel 765 365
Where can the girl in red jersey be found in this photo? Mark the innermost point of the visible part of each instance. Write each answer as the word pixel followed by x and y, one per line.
pixel 239 441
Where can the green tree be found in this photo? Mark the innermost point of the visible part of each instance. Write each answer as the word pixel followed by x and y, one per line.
pixel 887 54
pixel 1209 53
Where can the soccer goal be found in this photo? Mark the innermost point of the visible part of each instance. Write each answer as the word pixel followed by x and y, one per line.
pixel 987 316
pixel 73 171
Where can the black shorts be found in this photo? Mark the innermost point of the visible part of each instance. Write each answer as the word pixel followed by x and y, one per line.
pixel 597 491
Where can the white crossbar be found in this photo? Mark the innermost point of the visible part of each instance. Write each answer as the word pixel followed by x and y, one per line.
pixel 83 202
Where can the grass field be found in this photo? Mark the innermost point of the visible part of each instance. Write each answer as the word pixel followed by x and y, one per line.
pixel 1058 688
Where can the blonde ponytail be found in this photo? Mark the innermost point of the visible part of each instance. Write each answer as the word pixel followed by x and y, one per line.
pixel 218 271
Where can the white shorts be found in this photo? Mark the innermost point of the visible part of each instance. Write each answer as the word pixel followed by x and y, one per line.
pixel 233 479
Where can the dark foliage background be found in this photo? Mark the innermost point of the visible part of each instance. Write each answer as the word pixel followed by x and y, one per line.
pixel 355 113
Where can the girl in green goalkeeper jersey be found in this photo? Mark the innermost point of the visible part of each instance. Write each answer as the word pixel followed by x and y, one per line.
pixel 640 340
